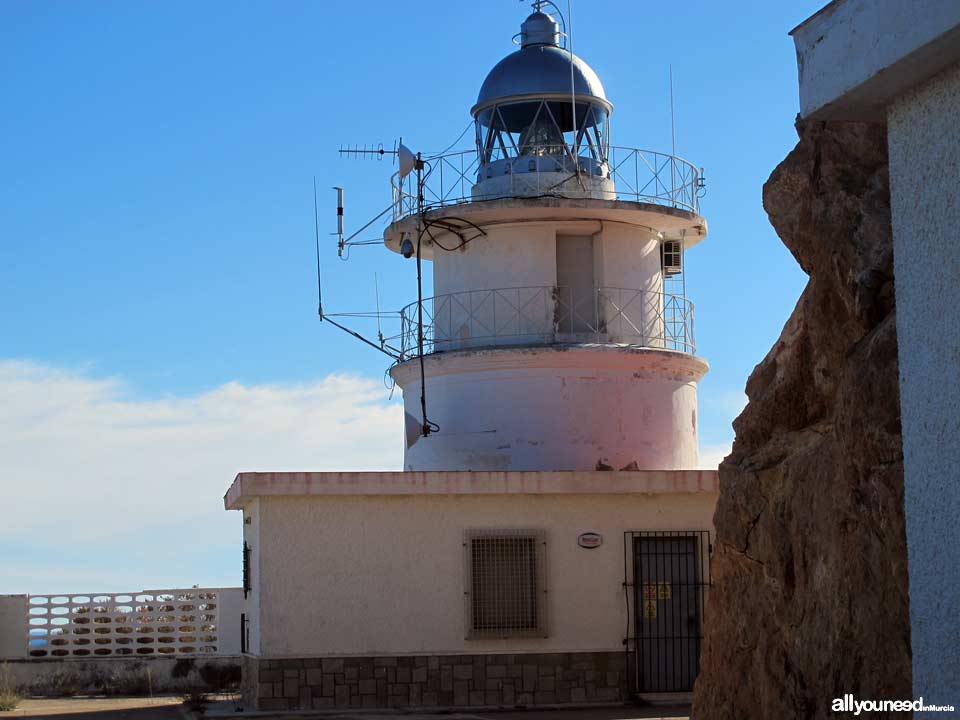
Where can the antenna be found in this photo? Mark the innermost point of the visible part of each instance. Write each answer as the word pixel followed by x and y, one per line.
pixel 316 228
pixel 376 293
pixel 374 151
pixel 339 232
pixel 673 144
pixel 573 92
pixel 408 162
pixel 400 152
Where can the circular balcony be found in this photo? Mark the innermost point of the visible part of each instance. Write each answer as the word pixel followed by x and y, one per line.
pixel 628 174
pixel 546 315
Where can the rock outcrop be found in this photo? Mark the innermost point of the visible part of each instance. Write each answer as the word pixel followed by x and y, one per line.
pixel 810 571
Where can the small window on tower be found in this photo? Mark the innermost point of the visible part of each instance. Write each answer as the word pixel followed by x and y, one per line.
pixel 505 592
pixel 671 257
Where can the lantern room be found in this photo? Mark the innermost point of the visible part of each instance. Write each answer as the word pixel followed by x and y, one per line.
pixel 542 121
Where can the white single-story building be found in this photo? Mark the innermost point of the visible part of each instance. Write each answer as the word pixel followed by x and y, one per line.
pixel 440 589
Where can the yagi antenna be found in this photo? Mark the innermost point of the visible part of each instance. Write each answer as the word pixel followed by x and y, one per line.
pixel 406 157
pixel 407 161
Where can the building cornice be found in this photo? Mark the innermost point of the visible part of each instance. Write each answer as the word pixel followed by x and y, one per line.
pixel 642 362
pixel 249 486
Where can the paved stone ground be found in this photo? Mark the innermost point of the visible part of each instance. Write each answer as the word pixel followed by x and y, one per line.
pixel 165 708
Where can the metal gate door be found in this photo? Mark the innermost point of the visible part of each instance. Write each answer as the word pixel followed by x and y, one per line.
pixel 668 600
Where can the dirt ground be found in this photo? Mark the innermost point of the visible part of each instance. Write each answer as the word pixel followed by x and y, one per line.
pixel 171 708
pixel 165 708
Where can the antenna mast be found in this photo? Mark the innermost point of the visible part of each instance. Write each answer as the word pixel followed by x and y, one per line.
pixel 673 144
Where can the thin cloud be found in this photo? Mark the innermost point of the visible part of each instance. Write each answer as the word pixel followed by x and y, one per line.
pixel 86 465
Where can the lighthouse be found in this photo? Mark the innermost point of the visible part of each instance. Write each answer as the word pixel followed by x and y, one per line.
pixel 559 336
pixel 548 539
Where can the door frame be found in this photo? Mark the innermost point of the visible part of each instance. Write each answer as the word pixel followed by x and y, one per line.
pixel 635 641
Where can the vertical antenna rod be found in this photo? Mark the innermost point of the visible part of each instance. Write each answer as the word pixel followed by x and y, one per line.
pixel 573 87
pixel 339 213
pixel 376 292
pixel 316 228
pixel 673 144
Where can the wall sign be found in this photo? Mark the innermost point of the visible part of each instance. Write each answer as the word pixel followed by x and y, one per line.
pixel 590 540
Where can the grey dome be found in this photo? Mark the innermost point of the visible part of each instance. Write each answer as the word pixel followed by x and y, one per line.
pixel 540 70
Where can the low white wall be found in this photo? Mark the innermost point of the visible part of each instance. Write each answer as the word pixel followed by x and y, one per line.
pixel 13 627
pixel 231 606
pixel 378 575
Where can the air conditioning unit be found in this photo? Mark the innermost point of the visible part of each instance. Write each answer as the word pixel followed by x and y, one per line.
pixel 671 257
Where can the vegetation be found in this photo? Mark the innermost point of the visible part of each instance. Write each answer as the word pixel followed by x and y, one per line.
pixel 63 682
pixel 9 692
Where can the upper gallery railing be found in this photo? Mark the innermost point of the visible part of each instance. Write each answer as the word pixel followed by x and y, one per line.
pixel 638 175
pixel 546 315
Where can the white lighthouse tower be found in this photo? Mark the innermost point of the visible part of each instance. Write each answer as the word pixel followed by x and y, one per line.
pixel 559 336
pixel 548 540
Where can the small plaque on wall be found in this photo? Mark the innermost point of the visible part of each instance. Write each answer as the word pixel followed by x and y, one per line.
pixel 590 540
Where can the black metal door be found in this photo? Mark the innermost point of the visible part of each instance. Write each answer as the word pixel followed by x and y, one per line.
pixel 668 607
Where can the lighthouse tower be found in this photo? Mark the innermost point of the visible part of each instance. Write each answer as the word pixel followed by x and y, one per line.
pixel 559 336
pixel 504 566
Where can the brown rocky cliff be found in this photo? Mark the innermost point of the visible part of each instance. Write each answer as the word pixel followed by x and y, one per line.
pixel 810 575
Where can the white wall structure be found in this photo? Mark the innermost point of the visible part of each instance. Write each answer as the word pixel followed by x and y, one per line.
pixel 372 564
pixel 13 627
pixel 174 623
pixel 885 60
pixel 924 138
pixel 120 643
pixel 856 56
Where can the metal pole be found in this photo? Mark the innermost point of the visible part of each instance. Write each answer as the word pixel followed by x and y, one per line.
pixel 573 90
pixel 673 145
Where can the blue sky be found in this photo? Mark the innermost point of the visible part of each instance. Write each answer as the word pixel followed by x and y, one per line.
pixel 156 239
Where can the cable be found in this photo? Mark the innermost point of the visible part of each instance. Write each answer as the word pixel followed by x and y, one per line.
pixel 428 426
pixel 447 225
pixel 444 151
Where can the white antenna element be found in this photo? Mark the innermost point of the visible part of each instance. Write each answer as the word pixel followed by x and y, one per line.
pixel 339 211
pixel 408 160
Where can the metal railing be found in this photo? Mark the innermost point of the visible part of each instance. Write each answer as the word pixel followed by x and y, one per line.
pixel 545 315
pixel 638 175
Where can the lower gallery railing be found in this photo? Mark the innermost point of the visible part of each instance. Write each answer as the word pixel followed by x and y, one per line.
pixel 545 315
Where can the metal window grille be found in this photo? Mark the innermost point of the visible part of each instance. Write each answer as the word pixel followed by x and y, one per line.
pixel 505 592
pixel 666 581
pixel 247 585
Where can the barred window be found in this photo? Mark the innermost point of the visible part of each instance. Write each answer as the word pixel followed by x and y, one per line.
pixel 505 591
